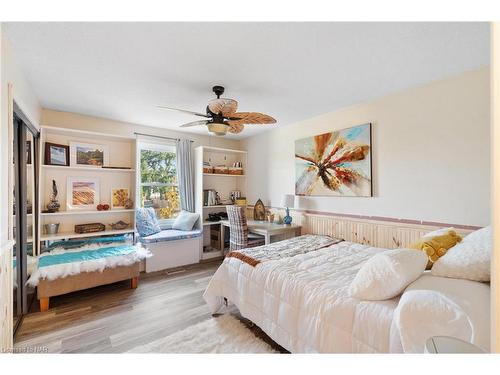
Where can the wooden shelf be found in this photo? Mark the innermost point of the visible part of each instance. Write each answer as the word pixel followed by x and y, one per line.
pixel 218 205
pixel 68 235
pixel 93 169
pixel 86 212
pixel 224 175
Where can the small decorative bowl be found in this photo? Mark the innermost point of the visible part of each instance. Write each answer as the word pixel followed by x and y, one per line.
pixel 119 225
pixel 51 228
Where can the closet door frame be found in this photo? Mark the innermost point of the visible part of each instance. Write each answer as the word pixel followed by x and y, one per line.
pixel 21 127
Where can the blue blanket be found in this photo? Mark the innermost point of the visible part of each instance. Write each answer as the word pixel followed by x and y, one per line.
pixel 84 255
pixel 71 244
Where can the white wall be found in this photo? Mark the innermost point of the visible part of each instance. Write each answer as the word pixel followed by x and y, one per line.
pixel 431 154
pixel 28 102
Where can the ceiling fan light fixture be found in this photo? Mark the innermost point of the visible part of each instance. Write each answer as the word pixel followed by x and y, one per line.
pixel 217 128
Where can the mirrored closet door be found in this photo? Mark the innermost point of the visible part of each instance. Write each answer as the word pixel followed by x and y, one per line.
pixel 24 209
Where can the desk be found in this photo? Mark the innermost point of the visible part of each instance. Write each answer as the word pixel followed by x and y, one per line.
pixel 265 229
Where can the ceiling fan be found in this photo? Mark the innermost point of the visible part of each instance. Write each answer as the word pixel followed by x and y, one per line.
pixel 221 116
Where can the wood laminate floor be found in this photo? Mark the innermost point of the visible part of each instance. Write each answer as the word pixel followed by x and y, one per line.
pixel 114 318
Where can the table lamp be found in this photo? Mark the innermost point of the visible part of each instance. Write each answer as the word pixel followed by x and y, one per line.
pixel 287 202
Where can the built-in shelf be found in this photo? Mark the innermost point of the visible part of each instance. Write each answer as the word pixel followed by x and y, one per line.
pixel 223 175
pixel 93 169
pixel 224 184
pixel 122 151
pixel 68 235
pixel 85 133
pixel 86 212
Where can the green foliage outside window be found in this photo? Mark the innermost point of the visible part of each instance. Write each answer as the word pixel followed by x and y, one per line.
pixel 159 183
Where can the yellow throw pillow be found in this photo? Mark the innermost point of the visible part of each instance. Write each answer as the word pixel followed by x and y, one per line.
pixel 436 247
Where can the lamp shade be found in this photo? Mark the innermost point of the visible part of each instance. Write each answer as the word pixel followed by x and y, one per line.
pixel 288 200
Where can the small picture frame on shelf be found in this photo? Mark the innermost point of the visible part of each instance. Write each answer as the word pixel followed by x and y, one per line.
pixel 88 155
pixel 82 193
pixel 119 198
pixel 56 154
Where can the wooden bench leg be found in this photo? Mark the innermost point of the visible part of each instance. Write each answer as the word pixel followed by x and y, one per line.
pixel 134 281
pixel 44 304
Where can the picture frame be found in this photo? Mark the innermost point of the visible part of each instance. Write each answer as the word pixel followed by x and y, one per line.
pixel 88 155
pixel 56 154
pixel 119 196
pixel 82 193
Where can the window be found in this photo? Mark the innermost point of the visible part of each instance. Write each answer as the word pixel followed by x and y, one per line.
pixel 158 179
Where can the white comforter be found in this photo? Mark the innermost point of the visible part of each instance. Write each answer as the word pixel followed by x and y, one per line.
pixel 302 302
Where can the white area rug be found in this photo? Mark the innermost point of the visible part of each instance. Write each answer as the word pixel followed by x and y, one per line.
pixel 224 334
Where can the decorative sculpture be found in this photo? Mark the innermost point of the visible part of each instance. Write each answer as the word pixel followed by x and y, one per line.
pixel 53 205
pixel 259 211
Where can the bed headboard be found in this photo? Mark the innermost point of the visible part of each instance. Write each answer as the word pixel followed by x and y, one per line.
pixel 375 231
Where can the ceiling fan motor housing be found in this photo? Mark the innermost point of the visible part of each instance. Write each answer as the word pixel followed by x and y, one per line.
pixel 218 90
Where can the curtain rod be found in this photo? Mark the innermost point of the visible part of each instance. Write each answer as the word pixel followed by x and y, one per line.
pixel 159 136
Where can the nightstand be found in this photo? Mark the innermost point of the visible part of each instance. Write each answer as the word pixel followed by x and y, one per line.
pixel 447 344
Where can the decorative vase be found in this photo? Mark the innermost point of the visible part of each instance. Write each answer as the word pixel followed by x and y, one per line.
pixel 53 206
pixel 287 219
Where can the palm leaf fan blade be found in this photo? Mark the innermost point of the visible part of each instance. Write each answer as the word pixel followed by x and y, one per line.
pixel 194 123
pixel 250 118
pixel 235 128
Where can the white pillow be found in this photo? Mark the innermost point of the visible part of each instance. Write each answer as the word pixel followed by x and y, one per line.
pixel 469 259
pixel 185 221
pixel 439 306
pixel 387 274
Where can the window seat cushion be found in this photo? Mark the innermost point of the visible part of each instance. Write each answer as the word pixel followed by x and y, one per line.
pixel 170 235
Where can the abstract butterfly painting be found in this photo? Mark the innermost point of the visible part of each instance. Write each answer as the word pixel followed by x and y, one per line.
pixel 335 164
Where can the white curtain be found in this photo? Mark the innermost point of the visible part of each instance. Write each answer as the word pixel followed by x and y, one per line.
pixel 185 174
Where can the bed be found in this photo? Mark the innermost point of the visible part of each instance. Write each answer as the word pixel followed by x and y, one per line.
pixel 302 303
pixel 69 266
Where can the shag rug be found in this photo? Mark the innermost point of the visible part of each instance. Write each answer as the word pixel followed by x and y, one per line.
pixel 223 334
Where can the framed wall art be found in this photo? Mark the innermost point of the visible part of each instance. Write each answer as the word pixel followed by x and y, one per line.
pixel 119 198
pixel 82 193
pixel 56 154
pixel 88 155
pixel 335 164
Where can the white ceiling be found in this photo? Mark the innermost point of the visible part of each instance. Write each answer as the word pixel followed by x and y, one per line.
pixel 291 71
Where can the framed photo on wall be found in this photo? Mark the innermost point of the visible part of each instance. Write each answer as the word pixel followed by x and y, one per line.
pixel 88 155
pixel 56 154
pixel 82 193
